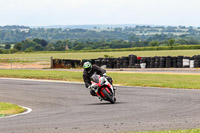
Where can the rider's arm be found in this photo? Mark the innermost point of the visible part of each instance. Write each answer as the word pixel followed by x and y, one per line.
pixel 99 70
pixel 86 80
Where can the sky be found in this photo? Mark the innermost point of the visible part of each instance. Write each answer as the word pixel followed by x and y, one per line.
pixel 89 12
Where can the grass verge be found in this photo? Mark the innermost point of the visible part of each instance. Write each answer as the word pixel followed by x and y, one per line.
pixel 126 79
pixel 172 131
pixel 94 55
pixel 10 109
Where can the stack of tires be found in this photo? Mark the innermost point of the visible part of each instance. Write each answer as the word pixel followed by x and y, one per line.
pixel 125 62
pixel 168 61
pixel 197 61
pixel 97 62
pixel 109 62
pixel 132 61
pixel 103 63
pixel 180 61
pixel 121 62
pixel 143 62
pixel 118 62
pixel 157 62
pixel 174 62
pixel 115 63
pixel 162 62
pixel 148 61
pixel 152 62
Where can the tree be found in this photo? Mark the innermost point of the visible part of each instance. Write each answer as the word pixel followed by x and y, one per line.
pixel 154 43
pixel 59 46
pixel 38 47
pixel 28 43
pixel 29 49
pixel 7 46
pixel 78 47
pixel 18 46
pixel 133 38
pixel 50 47
pixel 171 43
pixel 42 42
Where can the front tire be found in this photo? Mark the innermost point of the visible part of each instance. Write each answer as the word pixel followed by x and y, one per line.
pixel 108 96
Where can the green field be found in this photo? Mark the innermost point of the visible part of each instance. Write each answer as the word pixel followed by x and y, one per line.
pixel 125 79
pixel 93 55
pixel 9 109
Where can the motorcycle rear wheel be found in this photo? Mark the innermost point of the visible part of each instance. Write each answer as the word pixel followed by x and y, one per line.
pixel 108 96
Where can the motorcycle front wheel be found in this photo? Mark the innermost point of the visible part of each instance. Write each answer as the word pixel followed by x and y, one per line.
pixel 108 96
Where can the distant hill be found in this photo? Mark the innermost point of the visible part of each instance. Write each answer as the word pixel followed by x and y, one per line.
pixel 87 26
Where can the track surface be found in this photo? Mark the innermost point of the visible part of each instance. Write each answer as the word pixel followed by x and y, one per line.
pixel 66 107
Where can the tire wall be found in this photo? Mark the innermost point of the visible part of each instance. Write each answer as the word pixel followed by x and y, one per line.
pixel 133 61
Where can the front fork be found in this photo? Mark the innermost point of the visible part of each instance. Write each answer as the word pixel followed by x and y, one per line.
pixel 98 95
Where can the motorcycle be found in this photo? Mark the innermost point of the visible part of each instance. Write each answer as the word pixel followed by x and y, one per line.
pixel 103 89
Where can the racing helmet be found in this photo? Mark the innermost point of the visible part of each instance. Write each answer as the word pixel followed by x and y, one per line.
pixel 87 66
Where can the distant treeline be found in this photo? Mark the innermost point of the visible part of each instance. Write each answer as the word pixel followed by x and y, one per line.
pixel 37 44
pixel 182 34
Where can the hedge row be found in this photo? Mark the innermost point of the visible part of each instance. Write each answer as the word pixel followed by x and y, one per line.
pixel 179 47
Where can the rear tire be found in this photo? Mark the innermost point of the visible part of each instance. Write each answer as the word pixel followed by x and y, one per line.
pixel 108 96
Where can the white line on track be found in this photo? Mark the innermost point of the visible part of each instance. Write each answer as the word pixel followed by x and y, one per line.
pixel 28 110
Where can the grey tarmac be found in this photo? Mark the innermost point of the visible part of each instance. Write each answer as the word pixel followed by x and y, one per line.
pixel 62 107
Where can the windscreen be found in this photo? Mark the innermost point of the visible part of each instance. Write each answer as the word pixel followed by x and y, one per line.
pixel 95 78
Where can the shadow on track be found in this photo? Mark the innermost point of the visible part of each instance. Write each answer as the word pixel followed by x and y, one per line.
pixel 106 103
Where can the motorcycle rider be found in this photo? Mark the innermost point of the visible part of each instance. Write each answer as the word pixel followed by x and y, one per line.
pixel 89 70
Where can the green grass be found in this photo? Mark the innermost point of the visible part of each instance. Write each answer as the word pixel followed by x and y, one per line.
pixel 126 79
pixel 157 80
pixel 172 131
pixel 42 74
pixel 9 109
pixel 92 55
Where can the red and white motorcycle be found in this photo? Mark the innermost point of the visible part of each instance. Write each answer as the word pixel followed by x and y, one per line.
pixel 103 89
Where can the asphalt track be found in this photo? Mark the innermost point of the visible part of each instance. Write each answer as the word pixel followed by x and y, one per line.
pixel 61 107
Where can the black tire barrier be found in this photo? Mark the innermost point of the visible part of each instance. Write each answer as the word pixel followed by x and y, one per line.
pixel 174 62
pixel 115 63
pixel 162 62
pixel 180 61
pixel 103 62
pixel 152 62
pixel 132 61
pixel 97 62
pixel 168 61
pixel 197 61
pixel 92 61
pixel 157 62
pixel 109 63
